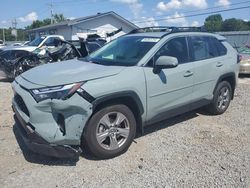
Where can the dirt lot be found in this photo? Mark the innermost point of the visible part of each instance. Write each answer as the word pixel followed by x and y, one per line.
pixel 192 150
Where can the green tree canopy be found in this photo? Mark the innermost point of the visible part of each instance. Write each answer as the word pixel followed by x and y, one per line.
pixel 213 23
pixel 57 18
pixel 233 24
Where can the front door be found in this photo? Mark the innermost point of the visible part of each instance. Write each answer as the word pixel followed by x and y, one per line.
pixel 172 88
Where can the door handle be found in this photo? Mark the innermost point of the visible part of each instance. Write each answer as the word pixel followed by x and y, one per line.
pixel 188 73
pixel 219 64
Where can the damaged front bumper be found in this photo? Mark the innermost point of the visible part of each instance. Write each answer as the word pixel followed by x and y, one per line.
pixel 51 127
pixel 38 145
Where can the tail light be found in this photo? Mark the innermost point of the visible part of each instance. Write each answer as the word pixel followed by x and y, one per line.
pixel 239 58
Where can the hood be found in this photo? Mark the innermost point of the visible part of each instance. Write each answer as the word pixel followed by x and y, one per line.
pixel 67 72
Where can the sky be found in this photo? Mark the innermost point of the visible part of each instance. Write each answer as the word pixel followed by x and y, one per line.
pixel 140 12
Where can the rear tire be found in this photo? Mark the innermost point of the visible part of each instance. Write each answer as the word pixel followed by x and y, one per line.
pixel 110 131
pixel 222 98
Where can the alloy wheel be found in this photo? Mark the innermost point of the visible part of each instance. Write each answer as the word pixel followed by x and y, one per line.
pixel 113 130
pixel 223 98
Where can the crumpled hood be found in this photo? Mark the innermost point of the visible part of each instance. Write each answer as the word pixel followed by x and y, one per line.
pixel 26 48
pixel 67 72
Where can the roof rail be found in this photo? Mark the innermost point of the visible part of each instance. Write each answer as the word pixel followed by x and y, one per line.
pixel 167 29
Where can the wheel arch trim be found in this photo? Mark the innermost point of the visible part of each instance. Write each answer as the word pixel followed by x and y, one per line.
pixel 225 76
pixel 117 95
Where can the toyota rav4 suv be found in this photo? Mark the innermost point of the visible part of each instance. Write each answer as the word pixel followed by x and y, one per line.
pixel 136 80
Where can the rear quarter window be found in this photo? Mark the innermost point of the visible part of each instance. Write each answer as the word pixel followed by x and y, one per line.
pixel 221 48
pixel 206 47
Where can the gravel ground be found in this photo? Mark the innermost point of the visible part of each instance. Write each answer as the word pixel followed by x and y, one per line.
pixel 191 150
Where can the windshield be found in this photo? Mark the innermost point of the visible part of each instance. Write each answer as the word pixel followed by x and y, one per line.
pixel 124 51
pixel 36 41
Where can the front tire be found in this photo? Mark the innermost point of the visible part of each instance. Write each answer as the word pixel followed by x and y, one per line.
pixel 18 70
pixel 110 131
pixel 222 98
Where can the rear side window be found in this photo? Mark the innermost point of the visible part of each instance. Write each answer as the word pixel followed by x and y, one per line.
pixel 200 48
pixel 206 48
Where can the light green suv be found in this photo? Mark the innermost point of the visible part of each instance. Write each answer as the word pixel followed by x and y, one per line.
pixel 131 82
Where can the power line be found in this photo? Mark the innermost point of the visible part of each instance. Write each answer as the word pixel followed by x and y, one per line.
pixel 58 3
pixel 210 8
pixel 194 15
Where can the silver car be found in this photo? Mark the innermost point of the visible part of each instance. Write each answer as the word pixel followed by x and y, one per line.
pixel 245 60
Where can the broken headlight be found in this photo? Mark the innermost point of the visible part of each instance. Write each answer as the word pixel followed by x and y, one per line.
pixel 58 92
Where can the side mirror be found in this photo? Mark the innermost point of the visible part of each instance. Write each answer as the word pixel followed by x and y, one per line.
pixel 164 62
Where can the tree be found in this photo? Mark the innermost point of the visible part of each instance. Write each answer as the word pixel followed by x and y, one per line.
pixel 21 35
pixel 59 18
pixel 234 24
pixel 213 23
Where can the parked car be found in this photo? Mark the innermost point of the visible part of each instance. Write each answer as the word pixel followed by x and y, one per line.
pixel 245 60
pixel 9 60
pixel 15 62
pixel 136 80
pixel 2 44
pixel 47 40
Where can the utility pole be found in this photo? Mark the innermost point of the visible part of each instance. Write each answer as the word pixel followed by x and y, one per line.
pixel 51 12
pixel 14 25
pixel 3 35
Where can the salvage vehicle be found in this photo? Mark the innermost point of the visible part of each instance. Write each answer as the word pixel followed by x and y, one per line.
pixel 101 101
pixel 8 60
pixel 15 62
pixel 245 60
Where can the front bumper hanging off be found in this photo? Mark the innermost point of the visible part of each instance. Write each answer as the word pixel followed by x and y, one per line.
pixel 38 145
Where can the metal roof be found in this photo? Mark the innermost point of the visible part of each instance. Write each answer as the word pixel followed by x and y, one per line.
pixel 82 19
pixel 234 33
pixel 237 38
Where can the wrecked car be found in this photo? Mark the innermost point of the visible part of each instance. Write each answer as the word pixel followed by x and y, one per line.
pixel 15 62
pixel 136 80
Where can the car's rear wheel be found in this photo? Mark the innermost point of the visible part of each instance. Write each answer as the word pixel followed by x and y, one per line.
pixel 222 98
pixel 110 131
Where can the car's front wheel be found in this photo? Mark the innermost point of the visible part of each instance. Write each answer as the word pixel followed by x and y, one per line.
pixel 110 131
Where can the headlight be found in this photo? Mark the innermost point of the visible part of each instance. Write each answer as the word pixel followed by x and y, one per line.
pixel 58 92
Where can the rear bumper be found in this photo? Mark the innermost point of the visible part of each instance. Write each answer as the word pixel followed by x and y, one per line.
pixel 245 68
pixel 38 145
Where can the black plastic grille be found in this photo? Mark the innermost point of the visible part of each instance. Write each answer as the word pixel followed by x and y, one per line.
pixel 18 99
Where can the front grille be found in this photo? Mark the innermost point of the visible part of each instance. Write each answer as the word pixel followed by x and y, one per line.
pixel 18 99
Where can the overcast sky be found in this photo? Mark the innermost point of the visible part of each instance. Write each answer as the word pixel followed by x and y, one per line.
pixel 142 12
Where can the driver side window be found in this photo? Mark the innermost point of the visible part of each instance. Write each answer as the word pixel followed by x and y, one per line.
pixel 176 47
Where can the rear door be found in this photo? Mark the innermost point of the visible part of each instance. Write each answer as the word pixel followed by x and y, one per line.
pixel 172 88
pixel 208 55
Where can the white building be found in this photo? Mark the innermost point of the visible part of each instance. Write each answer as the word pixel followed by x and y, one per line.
pixel 100 24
